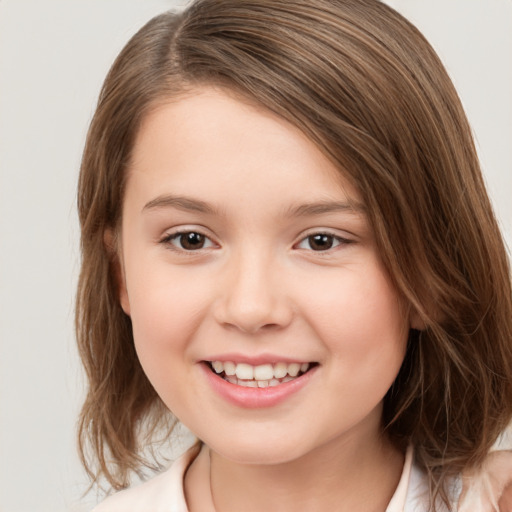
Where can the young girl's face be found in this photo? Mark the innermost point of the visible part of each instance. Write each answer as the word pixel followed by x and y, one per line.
pixel 244 252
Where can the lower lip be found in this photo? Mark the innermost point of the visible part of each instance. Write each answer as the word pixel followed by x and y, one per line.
pixel 256 398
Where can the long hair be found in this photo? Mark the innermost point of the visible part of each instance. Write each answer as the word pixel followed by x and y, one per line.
pixel 366 87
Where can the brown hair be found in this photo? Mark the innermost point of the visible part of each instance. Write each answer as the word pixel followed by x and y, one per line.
pixel 363 84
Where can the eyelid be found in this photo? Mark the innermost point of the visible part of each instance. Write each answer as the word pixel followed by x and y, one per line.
pixel 174 233
pixel 343 240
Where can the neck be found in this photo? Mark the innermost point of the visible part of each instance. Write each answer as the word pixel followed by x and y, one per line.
pixel 335 476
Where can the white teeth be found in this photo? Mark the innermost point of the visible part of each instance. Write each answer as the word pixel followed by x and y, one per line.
pixel 218 366
pixel 263 372
pixel 229 368
pixel 264 375
pixel 244 371
pixel 293 369
pixel 280 370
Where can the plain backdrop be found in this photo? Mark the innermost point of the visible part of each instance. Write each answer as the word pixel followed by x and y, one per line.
pixel 53 57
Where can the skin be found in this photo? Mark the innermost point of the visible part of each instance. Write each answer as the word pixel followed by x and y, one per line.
pixel 259 286
pixel 486 485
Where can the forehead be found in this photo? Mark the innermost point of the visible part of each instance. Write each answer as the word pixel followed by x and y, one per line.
pixel 213 139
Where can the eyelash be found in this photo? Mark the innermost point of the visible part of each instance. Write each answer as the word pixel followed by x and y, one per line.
pixel 340 241
pixel 177 236
pixel 334 241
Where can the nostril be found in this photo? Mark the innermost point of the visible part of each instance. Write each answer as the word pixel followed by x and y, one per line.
pixel 250 306
pixel 269 327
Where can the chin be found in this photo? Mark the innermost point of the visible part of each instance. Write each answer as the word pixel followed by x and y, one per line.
pixel 263 450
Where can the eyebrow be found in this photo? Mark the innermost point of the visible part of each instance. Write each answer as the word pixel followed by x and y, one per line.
pixel 181 203
pixel 322 207
pixel 302 210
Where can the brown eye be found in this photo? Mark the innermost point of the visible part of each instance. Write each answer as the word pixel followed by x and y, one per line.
pixel 189 241
pixel 321 242
pixel 192 241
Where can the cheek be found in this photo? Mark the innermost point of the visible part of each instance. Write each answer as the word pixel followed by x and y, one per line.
pixel 166 311
pixel 164 323
pixel 363 325
pixel 360 304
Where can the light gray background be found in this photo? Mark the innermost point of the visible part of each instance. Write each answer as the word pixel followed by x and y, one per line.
pixel 53 57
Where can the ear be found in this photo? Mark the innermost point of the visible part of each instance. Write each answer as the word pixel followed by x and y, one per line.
pixel 110 240
pixel 415 321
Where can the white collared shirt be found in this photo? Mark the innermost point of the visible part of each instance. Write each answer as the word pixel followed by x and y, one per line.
pixel 165 493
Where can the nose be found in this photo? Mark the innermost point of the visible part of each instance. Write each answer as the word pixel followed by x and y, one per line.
pixel 252 295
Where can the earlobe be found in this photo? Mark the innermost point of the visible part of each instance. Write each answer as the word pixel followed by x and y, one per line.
pixel 110 241
pixel 416 322
pixel 123 294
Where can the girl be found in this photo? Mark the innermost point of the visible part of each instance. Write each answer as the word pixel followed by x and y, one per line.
pixel 287 243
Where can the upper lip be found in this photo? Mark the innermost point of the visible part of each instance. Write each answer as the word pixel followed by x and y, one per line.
pixel 256 360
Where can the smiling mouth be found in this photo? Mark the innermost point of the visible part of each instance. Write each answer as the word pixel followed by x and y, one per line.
pixel 261 376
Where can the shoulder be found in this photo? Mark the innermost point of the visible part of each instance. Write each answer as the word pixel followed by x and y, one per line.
pixel 162 493
pixel 488 488
pixel 484 489
pixel 505 502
